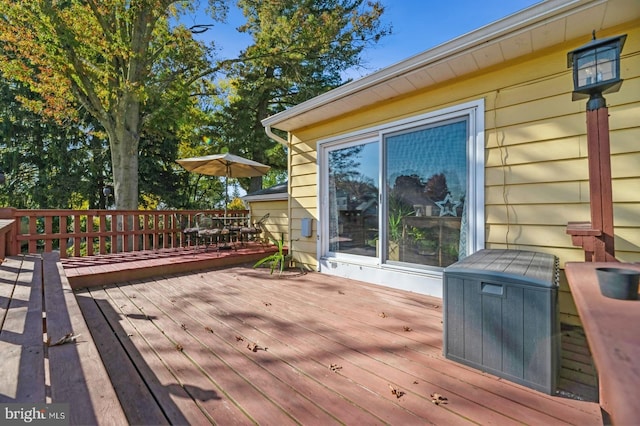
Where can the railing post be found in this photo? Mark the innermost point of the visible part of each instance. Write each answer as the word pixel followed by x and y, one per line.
pixel 8 239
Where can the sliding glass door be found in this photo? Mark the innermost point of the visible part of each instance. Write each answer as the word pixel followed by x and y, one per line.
pixel 353 192
pixel 407 194
pixel 426 187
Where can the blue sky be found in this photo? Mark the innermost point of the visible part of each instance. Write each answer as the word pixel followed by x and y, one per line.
pixel 418 25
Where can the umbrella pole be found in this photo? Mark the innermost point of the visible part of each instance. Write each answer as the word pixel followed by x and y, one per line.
pixel 226 246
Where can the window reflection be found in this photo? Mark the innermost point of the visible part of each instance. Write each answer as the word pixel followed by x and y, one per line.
pixel 426 175
pixel 353 200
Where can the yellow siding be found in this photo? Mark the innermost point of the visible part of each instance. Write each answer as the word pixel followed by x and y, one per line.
pixel 536 176
pixel 278 223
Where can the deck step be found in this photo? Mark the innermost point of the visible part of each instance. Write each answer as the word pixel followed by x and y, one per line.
pixel 96 271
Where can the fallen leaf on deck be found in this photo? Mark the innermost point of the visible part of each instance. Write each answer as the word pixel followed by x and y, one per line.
pixel 407 328
pixel 239 339
pixel 341 292
pixel 438 399
pixel 184 327
pixel 335 368
pixel 266 303
pixel 68 338
pixel 436 306
pixel 382 315
pixel 208 329
pixel 255 348
pixel 415 382
pixel 179 347
pixel 395 391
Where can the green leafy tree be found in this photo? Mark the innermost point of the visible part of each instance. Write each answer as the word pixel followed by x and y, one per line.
pixel 118 60
pixel 300 49
pixel 46 165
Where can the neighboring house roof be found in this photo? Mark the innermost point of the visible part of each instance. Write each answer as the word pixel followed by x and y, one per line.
pixel 275 192
pixel 540 26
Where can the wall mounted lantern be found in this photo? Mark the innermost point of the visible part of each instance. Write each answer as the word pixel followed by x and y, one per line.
pixel 596 68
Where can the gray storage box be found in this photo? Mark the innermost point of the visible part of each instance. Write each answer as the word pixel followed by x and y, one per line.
pixel 501 315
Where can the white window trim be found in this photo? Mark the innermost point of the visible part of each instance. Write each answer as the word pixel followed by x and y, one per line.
pixel 474 111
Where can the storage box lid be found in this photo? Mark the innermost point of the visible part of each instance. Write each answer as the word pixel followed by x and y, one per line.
pixel 540 269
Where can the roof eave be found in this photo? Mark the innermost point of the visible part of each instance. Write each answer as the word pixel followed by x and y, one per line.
pixel 482 37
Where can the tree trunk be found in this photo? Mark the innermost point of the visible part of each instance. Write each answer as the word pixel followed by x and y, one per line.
pixel 124 140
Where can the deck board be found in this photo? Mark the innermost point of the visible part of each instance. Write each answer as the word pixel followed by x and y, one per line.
pixel 175 375
pixel 152 371
pixel 128 383
pixel 307 323
pixel 76 370
pixel 22 376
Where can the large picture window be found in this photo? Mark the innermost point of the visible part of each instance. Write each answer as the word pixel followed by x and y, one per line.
pixel 408 194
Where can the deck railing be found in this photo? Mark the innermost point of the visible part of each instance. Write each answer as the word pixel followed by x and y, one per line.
pixel 90 232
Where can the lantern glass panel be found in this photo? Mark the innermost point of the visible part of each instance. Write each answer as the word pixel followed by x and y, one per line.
pixel 598 66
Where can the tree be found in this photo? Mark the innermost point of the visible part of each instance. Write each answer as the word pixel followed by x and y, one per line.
pixel 110 58
pixel 46 165
pixel 300 50
pixel 436 187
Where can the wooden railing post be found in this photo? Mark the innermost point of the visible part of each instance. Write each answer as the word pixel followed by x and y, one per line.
pixel 597 237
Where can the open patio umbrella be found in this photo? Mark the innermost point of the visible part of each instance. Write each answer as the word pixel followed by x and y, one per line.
pixel 227 165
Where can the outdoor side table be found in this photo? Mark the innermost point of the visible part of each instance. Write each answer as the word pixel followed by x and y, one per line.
pixel 501 315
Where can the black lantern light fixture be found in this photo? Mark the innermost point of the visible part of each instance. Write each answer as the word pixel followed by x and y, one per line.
pixel 596 69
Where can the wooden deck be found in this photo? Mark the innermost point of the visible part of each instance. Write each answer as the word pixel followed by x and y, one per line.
pixel 241 346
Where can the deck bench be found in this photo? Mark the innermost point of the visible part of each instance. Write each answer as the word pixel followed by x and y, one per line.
pixel 611 329
pixel 36 304
pixel 6 228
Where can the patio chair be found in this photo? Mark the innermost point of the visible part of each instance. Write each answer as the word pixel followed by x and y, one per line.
pixel 188 228
pixel 254 231
pixel 209 232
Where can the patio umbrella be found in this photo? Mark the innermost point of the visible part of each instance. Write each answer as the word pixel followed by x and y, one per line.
pixel 227 165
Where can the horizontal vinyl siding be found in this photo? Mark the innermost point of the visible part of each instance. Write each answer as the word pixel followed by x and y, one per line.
pixel 536 177
pixel 277 224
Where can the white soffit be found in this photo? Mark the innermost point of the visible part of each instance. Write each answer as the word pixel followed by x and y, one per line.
pixel 540 26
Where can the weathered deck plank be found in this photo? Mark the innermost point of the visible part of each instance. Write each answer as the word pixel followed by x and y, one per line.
pixel 153 371
pixel 77 374
pixel 308 323
pixel 22 376
pixel 201 396
pixel 126 380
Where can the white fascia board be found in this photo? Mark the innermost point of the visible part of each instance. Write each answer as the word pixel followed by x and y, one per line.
pixel 483 36
pixel 283 196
